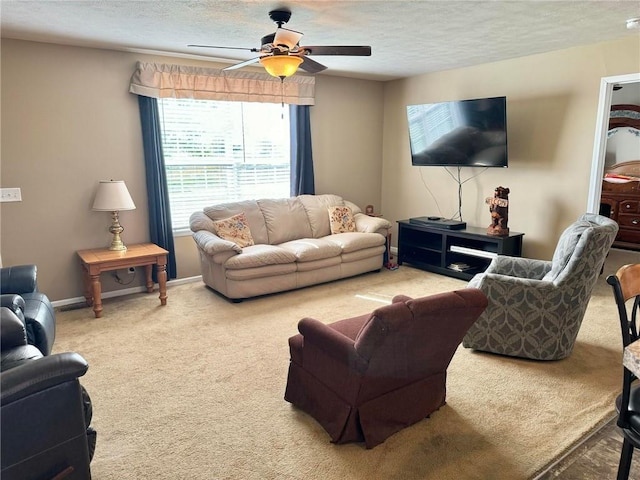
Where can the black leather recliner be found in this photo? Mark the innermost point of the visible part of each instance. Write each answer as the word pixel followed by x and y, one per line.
pixel 44 411
pixel 19 292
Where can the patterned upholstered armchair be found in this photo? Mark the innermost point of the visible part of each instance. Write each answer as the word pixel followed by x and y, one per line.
pixel 536 307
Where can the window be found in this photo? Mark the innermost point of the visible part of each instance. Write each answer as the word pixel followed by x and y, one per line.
pixel 219 152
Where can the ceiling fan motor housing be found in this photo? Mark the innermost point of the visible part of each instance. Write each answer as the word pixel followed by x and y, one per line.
pixel 280 16
pixel 267 39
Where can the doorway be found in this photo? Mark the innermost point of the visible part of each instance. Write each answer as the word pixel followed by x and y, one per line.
pixel 600 142
pixel 618 200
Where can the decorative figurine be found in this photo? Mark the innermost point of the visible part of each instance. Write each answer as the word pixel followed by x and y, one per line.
pixel 499 208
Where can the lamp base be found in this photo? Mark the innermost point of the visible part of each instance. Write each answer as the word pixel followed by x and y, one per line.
pixel 116 229
pixel 117 246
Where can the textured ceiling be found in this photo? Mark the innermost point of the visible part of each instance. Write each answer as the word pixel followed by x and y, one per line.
pixel 407 37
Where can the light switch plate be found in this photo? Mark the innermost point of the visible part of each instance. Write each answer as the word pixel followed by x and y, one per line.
pixel 10 195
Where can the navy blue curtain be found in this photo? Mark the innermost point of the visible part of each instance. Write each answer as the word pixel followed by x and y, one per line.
pixel 160 229
pixel 302 181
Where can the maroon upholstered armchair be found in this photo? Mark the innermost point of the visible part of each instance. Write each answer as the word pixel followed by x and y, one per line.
pixel 367 377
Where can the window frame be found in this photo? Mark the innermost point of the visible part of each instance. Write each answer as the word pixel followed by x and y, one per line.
pixel 262 149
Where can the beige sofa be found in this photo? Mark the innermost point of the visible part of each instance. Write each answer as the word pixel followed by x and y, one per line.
pixel 293 245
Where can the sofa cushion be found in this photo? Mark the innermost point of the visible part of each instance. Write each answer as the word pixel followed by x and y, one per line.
pixel 285 220
pixel 341 220
pixel 251 210
pixel 271 271
pixel 323 264
pixel 234 229
pixel 316 207
pixel 311 249
pixel 363 254
pixel 259 256
pixel 351 242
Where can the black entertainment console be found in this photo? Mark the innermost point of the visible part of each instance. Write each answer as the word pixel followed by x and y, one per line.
pixel 438 222
pixel 459 253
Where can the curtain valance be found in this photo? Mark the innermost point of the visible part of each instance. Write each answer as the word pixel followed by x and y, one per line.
pixel 179 81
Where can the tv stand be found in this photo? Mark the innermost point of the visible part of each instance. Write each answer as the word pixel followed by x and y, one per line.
pixel 438 222
pixel 456 253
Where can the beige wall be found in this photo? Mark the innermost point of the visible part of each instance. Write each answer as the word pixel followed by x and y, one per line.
pixel 551 112
pixel 68 121
pixel 346 127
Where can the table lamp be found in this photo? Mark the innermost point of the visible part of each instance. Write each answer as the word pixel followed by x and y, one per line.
pixel 113 196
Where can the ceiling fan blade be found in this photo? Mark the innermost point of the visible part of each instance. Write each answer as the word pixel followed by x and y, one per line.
pixel 284 36
pixel 311 66
pixel 228 48
pixel 352 50
pixel 243 64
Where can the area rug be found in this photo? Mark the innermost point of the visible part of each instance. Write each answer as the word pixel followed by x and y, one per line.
pixel 194 390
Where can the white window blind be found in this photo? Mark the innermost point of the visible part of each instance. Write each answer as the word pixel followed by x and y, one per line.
pixel 219 152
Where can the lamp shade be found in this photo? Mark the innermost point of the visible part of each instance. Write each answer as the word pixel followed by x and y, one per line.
pixel 281 65
pixel 113 196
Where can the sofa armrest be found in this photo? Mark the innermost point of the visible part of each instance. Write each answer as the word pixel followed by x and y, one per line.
pixel 18 279
pixel 37 375
pixel 367 224
pixel 211 244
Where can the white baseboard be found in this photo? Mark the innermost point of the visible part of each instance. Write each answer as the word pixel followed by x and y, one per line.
pixel 124 291
pixel 128 291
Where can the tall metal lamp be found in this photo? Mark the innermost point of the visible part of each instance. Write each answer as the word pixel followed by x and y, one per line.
pixel 113 196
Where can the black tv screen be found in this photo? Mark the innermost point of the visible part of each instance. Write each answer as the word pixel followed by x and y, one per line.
pixel 469 133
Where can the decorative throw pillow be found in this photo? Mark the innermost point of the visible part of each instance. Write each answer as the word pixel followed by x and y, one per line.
pixel 341 220
pixel 235 229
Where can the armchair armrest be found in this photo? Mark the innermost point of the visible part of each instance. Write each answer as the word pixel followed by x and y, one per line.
pixel 519 267
pixel 367 224
pixel 211 244
pixel 401 299
pixel 39 374
pixel 12 329
pixel 13 302
pixel 18 279
pixel 505 282
pixel 331 342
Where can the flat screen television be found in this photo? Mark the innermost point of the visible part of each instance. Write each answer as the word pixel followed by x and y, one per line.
pixel 470 133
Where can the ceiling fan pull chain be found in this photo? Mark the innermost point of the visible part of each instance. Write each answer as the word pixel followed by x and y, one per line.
pixel 282 84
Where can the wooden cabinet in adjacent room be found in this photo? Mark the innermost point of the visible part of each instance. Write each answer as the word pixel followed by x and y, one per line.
pixel 620 199
pixel 621 202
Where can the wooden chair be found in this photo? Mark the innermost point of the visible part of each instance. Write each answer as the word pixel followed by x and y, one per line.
pixel 626 289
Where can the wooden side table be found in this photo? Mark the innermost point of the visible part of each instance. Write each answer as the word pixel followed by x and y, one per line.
pixel 99 260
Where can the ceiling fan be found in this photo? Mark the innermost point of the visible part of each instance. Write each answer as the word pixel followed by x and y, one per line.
pixel 281 54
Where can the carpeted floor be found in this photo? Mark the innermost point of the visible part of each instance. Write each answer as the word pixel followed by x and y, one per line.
pixel 194 390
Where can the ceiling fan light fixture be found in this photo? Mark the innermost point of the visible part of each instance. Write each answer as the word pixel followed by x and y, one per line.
pixel 281 66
